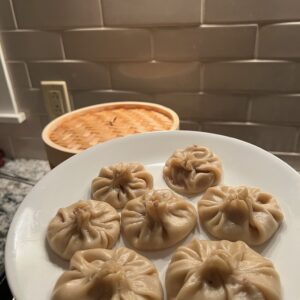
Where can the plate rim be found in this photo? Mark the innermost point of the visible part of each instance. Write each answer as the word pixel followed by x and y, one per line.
pixel 12 228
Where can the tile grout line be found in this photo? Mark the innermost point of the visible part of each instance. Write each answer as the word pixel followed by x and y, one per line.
pixel 202 8
pixel 63 52
pixel 109 76
pixel 201 69
pixel 28 75
pixel 249 109
pixel 101 13
pixel 256 46
pixel 200 126
pixel 297 139
pixel 13 13
pixel 151 44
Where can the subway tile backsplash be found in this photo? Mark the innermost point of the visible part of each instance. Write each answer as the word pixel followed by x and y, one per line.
pixel 6 16
pixel 79 75
pixel 154 77
pixel 236 11
pixel 279 41
pixel 230 67
pixel 108 44
pixel 86 98
pixel 30 101
pixel 31 45
pixel 276 109
pixel 31 127
pixel 57 14
pixel 19 76
pixel 272 138
pixel 206 107
pixel 252 76
pixel 142 13
pixel 206 42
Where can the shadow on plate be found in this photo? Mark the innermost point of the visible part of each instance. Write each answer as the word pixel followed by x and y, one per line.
pixel 54 258
pixel 266 248
pixel 164 253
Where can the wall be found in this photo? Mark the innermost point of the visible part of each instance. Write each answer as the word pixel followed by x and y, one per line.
pixel 230 66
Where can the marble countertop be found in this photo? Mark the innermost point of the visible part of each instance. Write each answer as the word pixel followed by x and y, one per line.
pixel 13 190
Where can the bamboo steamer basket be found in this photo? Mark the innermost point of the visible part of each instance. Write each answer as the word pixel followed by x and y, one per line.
pixel 80 129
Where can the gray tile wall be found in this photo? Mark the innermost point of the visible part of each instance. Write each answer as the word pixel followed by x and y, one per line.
pixel 230 67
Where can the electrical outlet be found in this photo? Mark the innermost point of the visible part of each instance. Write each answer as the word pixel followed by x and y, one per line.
pixel 56 98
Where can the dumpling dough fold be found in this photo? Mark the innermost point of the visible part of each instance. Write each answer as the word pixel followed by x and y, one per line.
pixel 192 170
pixel 239 213
pixel 83 225
pixel 119 183
pixel 221 270
pixel 157 220
pixel 118 274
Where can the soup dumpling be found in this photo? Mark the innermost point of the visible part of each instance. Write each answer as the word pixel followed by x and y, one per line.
pixel 239 213
pixel 192 170
pixel 83 225
pixel 109 274
pixel 119 183
pixel 221 270
pixel 157 220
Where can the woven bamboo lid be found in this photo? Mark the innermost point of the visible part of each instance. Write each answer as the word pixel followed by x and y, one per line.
pixel 86 127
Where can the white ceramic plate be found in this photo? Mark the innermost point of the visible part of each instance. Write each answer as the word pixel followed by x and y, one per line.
pixel 32 269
